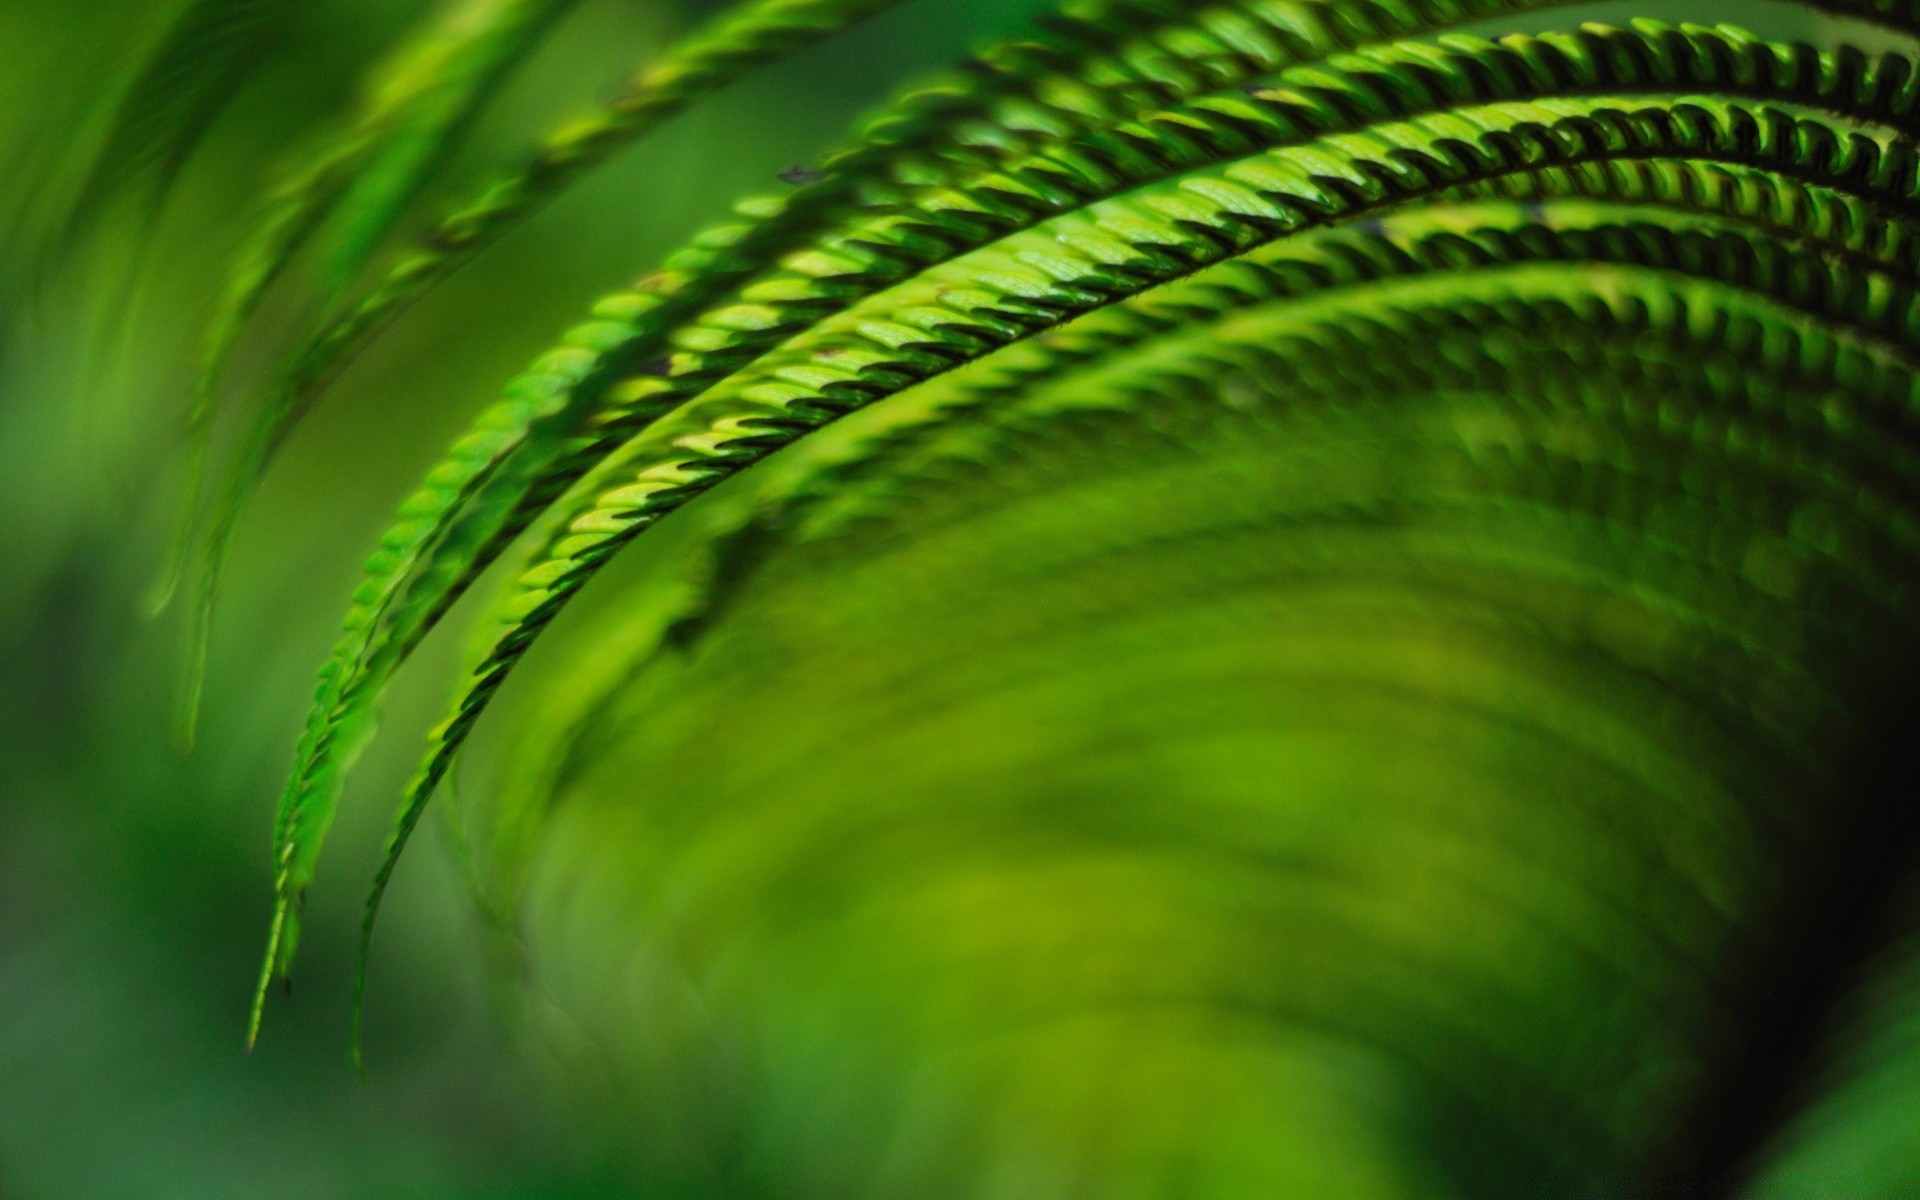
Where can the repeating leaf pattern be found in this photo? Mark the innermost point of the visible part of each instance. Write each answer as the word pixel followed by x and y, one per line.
pixel 1606 324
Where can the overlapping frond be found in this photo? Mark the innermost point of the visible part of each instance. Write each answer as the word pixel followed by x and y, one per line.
pixel 1053 636
pixel 1054 267
pixel 409 122
pixel 1165 199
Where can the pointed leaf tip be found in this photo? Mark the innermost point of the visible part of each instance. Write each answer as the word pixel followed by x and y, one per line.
pixel 267 966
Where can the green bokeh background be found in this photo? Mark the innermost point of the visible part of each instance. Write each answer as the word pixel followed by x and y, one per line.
pixel 134 883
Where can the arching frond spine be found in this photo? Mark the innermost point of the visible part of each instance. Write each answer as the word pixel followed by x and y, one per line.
pixel 1027 282
pixel 918 254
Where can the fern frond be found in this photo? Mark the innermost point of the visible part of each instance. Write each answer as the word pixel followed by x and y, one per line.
pixel 754 33
pixel 443 81
pixel 968 306
pixel 361 178
pixel 1037 277
pixel 506 470
pixel 424 557
pixel 1218 561
pixel 1353 351
pixel 1754 249
pixel 501 474
pixel 738 342
pixel 1143 206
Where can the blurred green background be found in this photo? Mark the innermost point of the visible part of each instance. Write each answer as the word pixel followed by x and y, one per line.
pixel 134 879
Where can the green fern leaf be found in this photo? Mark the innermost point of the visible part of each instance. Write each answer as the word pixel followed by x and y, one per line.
pixel 1030 280
pixel 1256 556
pixel 499 477
pixel 758 31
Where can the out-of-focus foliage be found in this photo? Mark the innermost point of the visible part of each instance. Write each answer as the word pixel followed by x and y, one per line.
pixel 134 879
pixel 1255 598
